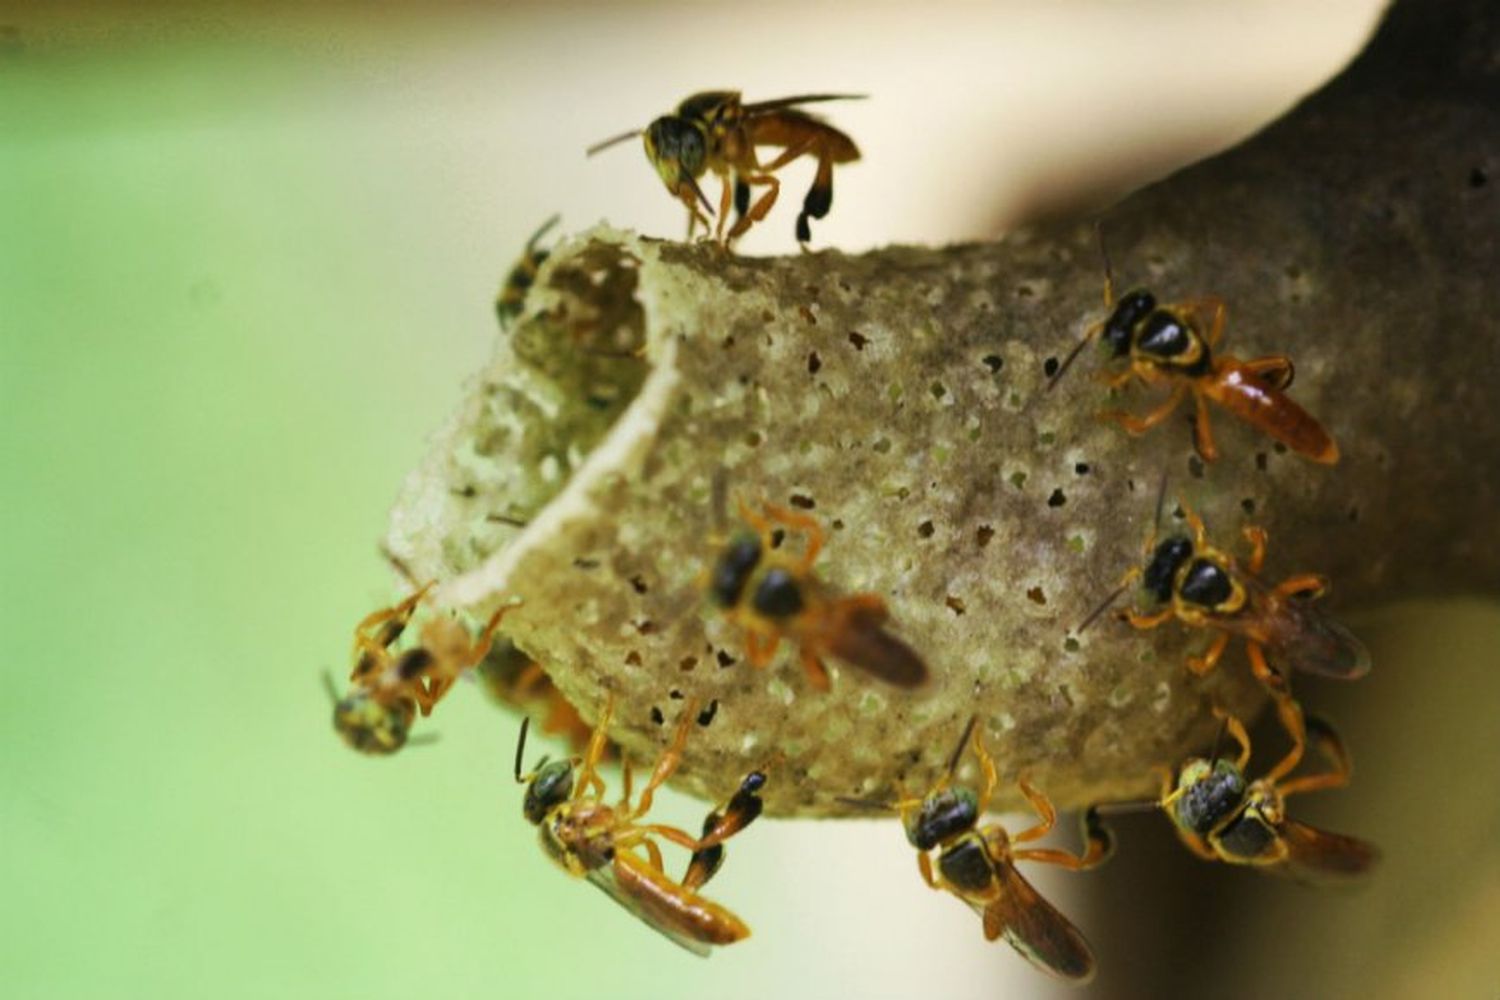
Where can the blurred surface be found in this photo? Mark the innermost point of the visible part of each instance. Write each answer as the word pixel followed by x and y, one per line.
pixel 248 259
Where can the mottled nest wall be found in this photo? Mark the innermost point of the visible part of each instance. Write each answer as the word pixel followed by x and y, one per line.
pixel 898 397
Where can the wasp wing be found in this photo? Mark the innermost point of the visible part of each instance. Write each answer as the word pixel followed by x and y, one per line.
pixel 1298 636
pixel 1034 927
pixel 858 637
pixel 1315 855
pixel 779 103
pixel 678 914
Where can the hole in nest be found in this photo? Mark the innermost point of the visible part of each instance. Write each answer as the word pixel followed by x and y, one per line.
pixel 707 714
pixel 1081 469
pixel 813 362
pixel 1248 505
pixel 983 535
pixel 1018 479
pixel 925 529
pixel 725 660
pixel 1049 367
pixel 645 626
pixel 674 694
pixel 838 524
pixel 1057 499
pixel 994 363
pixel 882 445
pixel 938 390
pixel 1353 513
pixel 1478 178
pixel 1261 460
pixel 753 439
pixel 859 340
pixel 637 584
pixel 1036 595
pixel 1070 644
pixel 633 658
pixel 807 314
pixel 955 604
pixel 656 715
pixel 801 501
pixel 778 535
pixel 1279 448
pixel 687 663
pixel 1195 467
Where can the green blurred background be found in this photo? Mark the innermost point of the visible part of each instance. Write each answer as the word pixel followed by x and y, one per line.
pixel 247 260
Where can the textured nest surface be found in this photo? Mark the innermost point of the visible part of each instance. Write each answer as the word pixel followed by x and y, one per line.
pixel 897 397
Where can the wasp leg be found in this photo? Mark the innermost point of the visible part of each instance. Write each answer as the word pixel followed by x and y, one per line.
pixel 1201 665
pixel 757 652
pixel 721 824
pixel 393 621
pixel 653 854
pixel 588 774
pixel 1333 748
pixel 1215 310
pixel 1309 586
pixel 724 198
pixel 1275 371
pixel 987 765
pixel 819 198
pixel 1140 425
pixel 1195 525
pixel 817 673
pixel 808 526
pixel 1203 435
pixel 1290 714
pixel 1237 732
pixel 625 780
pixel 924 865
pixel 1116 380
pixel 1256 536
pixel 1042 806
pixel 762 204
pixel 1098 842
pixel 1146 621
pixel 668 762
pixel 741 196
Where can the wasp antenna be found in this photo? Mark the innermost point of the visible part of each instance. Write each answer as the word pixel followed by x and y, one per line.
pixel 423 740
pixel 692 182
pixel 542 231
pixel 514 522
pixel 718 498
pixel 1068 361
pixel 1126 808
pixel 613 140
pixel 521 747
pixel 963 741
pixel 1161 498
pixel 330 687
pixel 1213 757
pixel 1109 272
pixel 1114 595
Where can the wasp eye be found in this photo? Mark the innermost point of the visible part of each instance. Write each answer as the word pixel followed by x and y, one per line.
pixel 1162 570
pixel 1129 311
pixel 549 789
pixel 733 569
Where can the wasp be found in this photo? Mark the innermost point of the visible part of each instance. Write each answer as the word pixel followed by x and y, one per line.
pixel 605 844
pixel 1187 578
pixel 1221 816
pixel 715 131
pixel 388 689
pixel 1173 343
pixel 515 679
pixel 518 283
pixel 771 595
pixel 977 863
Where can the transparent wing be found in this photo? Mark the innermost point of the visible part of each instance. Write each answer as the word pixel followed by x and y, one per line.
pixel 1035 928
pixel 605 879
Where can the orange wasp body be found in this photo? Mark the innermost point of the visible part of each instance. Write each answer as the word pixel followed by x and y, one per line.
pixel 1173 343
pixel 602 843
pixel 715 131
pixel 977 863
pixel 771 595
pixel 388 689
pixel 1221 816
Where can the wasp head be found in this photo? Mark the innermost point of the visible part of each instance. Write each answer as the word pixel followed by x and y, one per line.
pixel 371 727
pixel 549 788
pixel 1129 311
pixel 678 149
pixel 1208 793
pixel 943 814
pixel 1161 571
pixel 732 570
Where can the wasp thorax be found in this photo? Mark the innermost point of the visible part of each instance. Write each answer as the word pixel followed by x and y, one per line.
pixel 549 788
pixel 370 727
pixel 733 569
pixel 1206 583
pixel 1164 336
pixel 1161 571
pixel 677 149
pixel 778 595
pixel 944 814
pixel 1129 311
pixel 1208 794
